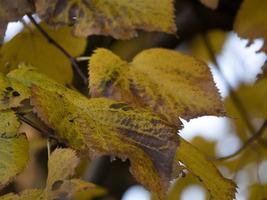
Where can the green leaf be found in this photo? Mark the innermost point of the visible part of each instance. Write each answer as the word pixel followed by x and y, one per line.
pixel 118 18
pixel 14 148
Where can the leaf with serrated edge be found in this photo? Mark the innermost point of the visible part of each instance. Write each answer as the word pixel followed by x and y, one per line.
pixel 165 81
pixel 12 93
pixel 218 187
pixel 117 18
pixel 61 166
pixel 250 22
pixel 13 148
pixel 73 121
pixel 31 47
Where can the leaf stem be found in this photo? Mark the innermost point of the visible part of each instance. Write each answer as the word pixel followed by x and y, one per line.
pixel 73 61
pixel 252 139
pixel 236 100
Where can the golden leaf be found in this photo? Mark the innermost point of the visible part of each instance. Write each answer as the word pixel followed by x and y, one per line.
pixel 106 127
pixel 118 18
pixel 12 93
pixel 13 148
pixel 219 187
pixel 31 47
pixel 167 82
pixel 213 4
pixel 251 21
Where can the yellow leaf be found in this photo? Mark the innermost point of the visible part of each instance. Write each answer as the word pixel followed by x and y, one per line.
pixel 12 93
pixel 213 4
pixel 118 18
pixel 251 21
pixel 13 148
pixel 61 165
pixel 105 127
pixel 31 47
pixel 167 82
pixel 219 187
pixel 258 192
pixel 199 49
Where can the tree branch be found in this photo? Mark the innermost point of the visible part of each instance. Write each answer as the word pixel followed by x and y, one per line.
pixel 252 139
pixel 73 61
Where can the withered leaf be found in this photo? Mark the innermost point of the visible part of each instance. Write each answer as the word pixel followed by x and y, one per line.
pixel 165 81
pixel 117 18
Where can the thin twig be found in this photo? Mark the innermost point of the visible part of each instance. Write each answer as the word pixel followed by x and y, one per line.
pixel 32 124
pixel 53 42
pixel 252 139
pixel 236 100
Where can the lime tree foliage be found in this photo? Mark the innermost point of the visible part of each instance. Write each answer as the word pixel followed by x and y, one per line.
pixel 131 105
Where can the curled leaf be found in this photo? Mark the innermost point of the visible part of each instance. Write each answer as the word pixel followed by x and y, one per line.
pixel 117 18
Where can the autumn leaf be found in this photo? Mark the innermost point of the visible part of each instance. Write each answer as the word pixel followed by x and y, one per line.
pixel 102 126
pixel 250 22
pixel 118 18
pixel 61 166
pixel 13 148
pixel 12 11
pixel 219 188
pixel 105 127
pixel 31 47
pixel 167 82
pixel 213 4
